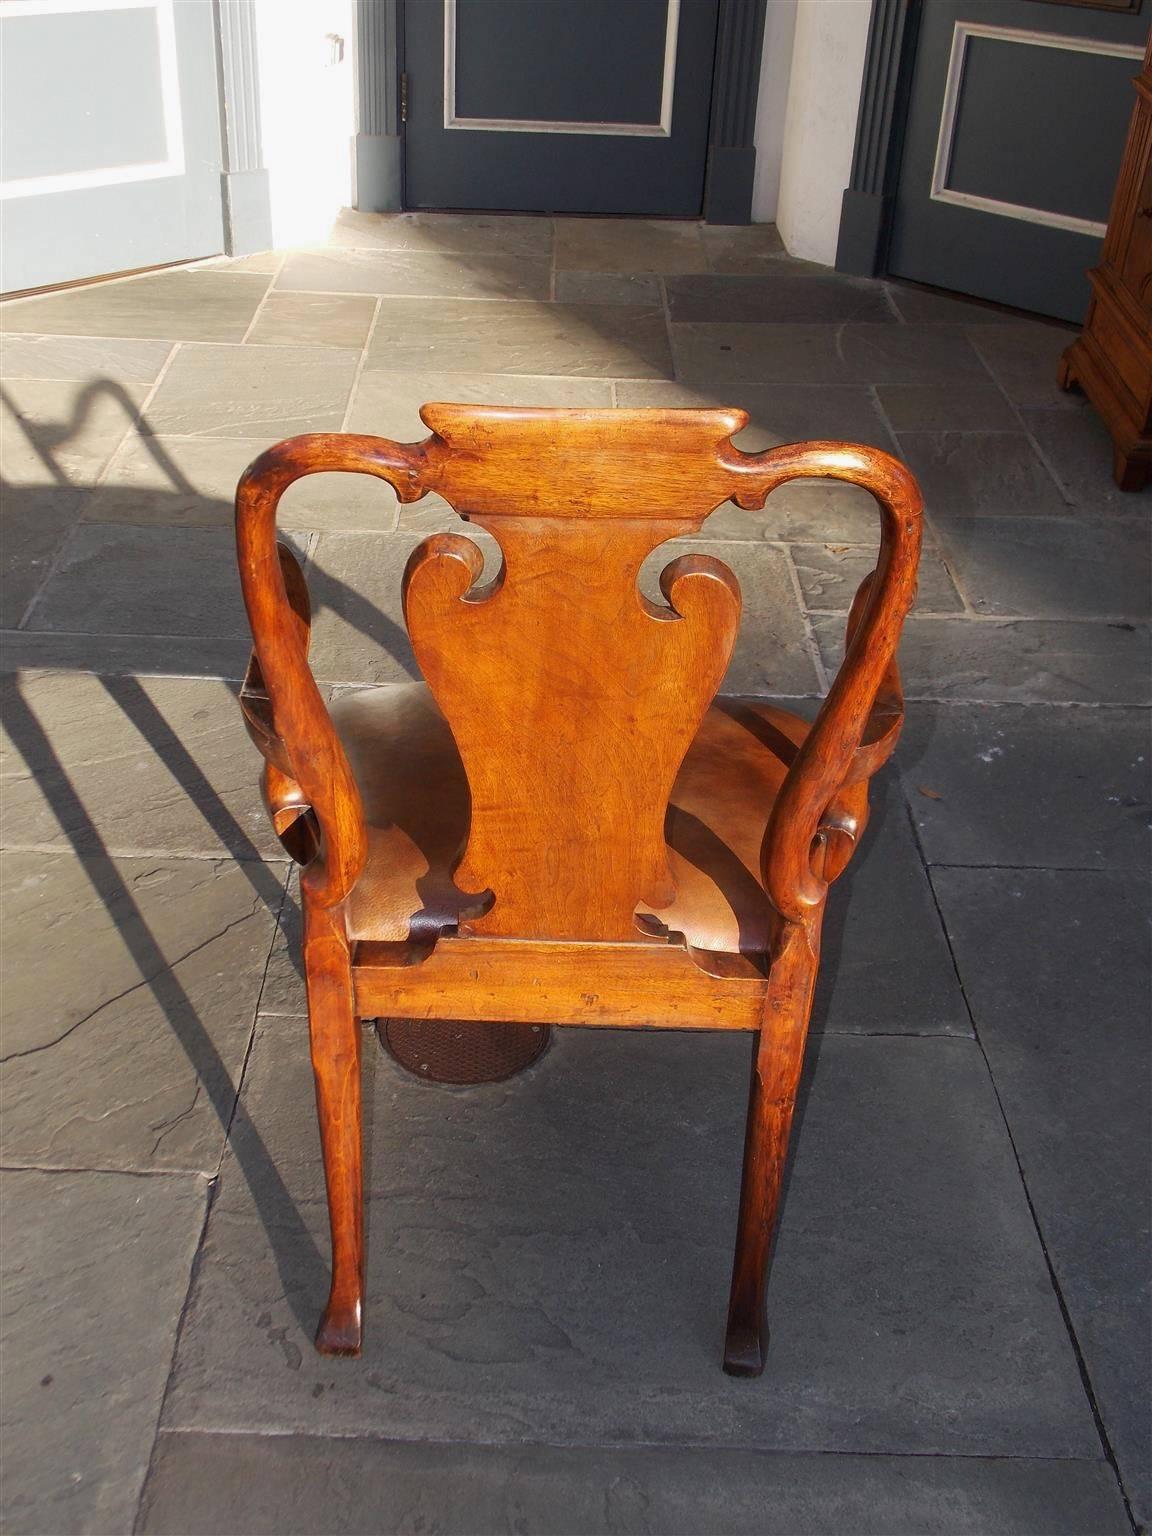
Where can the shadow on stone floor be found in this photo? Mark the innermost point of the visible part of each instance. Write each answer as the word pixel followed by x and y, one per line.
pixel 276 1207
pixel 48 440
pixel 278 1212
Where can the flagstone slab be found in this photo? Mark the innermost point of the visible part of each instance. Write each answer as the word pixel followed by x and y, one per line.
pixel 173 306
pixel 295 1485
pixel 971 775
pixel 549 1260
pixel 129 996
pixel 127 766
pixel 95 1269
pixel 1056 964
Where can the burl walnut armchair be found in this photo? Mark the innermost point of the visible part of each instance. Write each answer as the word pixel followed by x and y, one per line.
pixel 565 823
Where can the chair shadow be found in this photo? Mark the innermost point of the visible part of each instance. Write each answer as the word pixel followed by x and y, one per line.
pixel 302 1268
pixel 298 1260
pixel 328 592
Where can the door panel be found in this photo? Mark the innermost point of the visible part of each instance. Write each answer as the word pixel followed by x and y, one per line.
pixel 565 106
pixel 1016 128
pixel 613 57
pixel 110 137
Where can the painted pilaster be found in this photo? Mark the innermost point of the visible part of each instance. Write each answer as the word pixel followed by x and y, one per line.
pixel 377 145
pixel 247 207
pixel 866 210
pixel 731 138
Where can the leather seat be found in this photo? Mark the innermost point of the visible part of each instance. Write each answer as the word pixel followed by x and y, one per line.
pixel 416 805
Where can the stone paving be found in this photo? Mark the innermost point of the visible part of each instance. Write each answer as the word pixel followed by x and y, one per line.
pixel 959 1294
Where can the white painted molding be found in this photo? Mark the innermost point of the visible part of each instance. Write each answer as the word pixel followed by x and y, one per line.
pixel 940 190
pixel 376 67
pixel 657 130
pixel 241 85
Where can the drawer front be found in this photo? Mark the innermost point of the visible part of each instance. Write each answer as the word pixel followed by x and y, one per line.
pixel 1125 351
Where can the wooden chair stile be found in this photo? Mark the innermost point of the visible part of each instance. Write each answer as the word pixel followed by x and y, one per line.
pixel 565 823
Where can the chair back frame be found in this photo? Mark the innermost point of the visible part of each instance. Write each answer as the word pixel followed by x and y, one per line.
pixel 570 495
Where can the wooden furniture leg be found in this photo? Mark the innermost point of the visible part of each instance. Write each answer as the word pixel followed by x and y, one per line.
pixel 335 1038
pixel 777 1060
pixel 1130 470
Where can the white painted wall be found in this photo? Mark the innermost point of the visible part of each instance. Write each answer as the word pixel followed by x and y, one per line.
pixel 771 105
pixel 307 114
pixel 819 125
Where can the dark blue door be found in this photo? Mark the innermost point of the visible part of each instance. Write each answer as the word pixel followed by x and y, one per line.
pixel 558 106
pixel 1016 128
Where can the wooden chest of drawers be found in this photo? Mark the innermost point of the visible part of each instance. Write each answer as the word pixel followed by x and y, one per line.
pixel 1111 361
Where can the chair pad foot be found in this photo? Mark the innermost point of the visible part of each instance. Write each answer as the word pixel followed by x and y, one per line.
pixel 340 1331
pixel 745 1350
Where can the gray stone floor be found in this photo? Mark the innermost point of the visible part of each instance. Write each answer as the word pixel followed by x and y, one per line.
pixel 959 1294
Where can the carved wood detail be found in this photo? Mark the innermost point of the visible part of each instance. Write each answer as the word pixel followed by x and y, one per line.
pixel 534 673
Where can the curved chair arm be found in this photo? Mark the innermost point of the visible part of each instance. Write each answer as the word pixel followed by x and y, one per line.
pixel 886 717
pixel 306 766
pixel 859 721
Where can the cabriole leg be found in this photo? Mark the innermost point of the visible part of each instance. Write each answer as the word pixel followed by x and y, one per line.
pixel 1129 470
pixel 335 1037
pixel 776 1065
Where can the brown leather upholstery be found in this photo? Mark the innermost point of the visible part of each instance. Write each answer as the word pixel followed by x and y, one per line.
pixel 416 804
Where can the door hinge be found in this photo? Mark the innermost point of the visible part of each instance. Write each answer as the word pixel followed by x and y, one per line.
pixel 404 98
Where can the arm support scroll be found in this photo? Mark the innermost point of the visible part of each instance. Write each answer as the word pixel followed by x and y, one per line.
pixel 287 717
pixel 860 719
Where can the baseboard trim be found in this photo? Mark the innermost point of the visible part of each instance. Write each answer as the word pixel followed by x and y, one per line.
pixel 376 158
